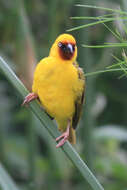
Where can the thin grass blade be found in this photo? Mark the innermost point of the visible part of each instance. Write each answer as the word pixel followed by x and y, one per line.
pixel 106 46
pixel 102 8
pixel 101 21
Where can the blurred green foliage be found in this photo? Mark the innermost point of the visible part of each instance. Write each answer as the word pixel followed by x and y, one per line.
pixel 27 30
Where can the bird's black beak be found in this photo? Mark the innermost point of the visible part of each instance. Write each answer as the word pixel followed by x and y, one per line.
pixel 70 48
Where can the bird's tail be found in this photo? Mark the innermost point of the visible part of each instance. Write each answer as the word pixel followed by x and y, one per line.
pixel 72 136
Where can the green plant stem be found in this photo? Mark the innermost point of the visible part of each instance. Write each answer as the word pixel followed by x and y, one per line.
pixel 2 147
pixel 25 54
pixel 5 180
pixel 52 26
pixel 32 150
pixel 4 113
pixel 51 127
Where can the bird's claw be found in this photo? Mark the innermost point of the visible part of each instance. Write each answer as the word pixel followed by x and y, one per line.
pixel 29 98
pixel 63 137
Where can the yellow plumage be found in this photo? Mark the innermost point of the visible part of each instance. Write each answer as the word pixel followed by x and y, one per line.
pixel 58 84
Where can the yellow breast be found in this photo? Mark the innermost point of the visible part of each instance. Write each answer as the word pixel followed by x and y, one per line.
pixel 57 86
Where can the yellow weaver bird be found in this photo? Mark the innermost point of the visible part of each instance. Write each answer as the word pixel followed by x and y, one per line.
pixel 59 84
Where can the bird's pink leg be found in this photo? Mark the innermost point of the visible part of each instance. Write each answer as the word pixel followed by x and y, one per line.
pixel 31 96
pixel 64 136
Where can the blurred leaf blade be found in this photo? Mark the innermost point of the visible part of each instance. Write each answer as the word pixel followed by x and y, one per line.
pixel 5 180
pixel 112 132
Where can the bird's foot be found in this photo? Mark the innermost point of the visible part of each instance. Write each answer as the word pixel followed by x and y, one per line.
pixel 64 137
pixel 29 98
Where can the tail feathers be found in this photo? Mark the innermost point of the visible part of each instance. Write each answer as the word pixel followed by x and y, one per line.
pixel 72 136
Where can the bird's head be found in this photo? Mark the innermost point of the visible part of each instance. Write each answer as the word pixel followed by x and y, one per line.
pixel 64 48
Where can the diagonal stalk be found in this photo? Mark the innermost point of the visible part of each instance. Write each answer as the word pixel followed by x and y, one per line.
pixel 51 127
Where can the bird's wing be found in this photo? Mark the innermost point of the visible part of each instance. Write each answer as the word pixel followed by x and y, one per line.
pixel 80 99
